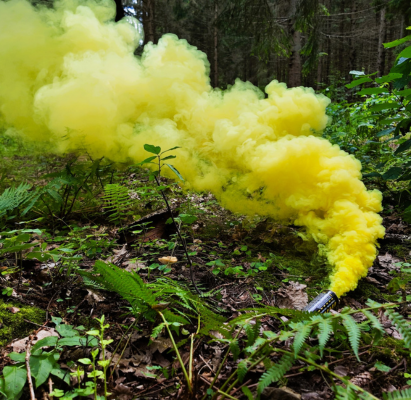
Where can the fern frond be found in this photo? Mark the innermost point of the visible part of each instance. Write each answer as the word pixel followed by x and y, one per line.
pixel 376 324
pixel 348 393
pixel 353 332
pixel 242 370
pixel 157 330
pixel 325 329
pixel 92 284
pixel 401 324
pixel 235 349
pixel 247 392
pixel 398 395
pixel 126 284
pixel 252 331
pixel 13 197
pixel 117 201
pixel 275 373
pixel 303 331
pixel 171 317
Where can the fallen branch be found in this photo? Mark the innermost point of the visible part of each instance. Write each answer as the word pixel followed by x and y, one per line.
pixel 30 382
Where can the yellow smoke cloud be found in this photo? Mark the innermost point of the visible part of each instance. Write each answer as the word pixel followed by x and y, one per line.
pixel 68 76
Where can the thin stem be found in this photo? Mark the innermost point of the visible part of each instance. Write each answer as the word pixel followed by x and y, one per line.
pixel 190 365
pixel 222 363
pixel 125 346
pixel 328 371
pixel 180 237
pixel 27 359
pixel 190 389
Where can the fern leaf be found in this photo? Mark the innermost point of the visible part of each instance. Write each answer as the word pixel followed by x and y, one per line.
pixel 242 370
pixel 398 395
pixel 353 332
pixel 374 320
pixel 325 330
pixel 401 324
pixel 171 317
pixel 13 197
pixel 252 331
pixel 128 285
pixel 117 202
pixel 301 336
pixel 157 330
pixel 235 349
pixel 247 392
pixel 275 373
pixel 348 393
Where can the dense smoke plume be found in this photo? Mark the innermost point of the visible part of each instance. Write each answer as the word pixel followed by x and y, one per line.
pixel 68 76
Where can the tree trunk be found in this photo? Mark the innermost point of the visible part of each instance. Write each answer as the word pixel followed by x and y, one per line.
pixel 353 49
pixel 215 45
pixel 294 70
pixel 381 39
pixel 119 10
pixel 149 18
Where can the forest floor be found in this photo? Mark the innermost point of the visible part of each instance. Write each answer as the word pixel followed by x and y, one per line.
pixel 240 263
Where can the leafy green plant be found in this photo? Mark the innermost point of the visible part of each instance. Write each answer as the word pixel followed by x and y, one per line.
pixel 99 334
pixel 13 198
pixel 19 240
pixel 401 281
pixel 156 176
pixel 118 203
pixel 382 141
pixel 259 349
pixel 42 363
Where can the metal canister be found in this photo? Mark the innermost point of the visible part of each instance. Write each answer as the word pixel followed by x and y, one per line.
pixel 323 302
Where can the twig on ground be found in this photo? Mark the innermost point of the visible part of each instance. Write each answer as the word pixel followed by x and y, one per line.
pixel 50 387
pixel 29 380
pixel 217 389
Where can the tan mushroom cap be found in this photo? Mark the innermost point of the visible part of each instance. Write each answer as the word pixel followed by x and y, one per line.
pixel 168 260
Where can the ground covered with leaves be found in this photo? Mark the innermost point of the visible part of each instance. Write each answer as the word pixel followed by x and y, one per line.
pixel 120 284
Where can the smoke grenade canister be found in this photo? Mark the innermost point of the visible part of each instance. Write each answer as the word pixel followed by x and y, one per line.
pixel 323 302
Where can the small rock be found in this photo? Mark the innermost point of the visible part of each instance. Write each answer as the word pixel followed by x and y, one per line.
pixel 13 310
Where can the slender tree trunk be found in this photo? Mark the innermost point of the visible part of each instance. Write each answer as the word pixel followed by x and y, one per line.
pixel 341 54
pixel 215 44
pixel 119 10
pixel 381 39
pixel 353 48
pixel 294 65
pixel 149 17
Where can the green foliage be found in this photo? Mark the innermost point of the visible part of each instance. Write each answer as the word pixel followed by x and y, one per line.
pixel 127 284
pixel 354 333
pixel 276 372
pixel 42 363
pixel 13 198
pixel 117 202
pixel 325 330
pixel 303 331
pixel 398 395
pixel 402 325
pixel 377 131
pixel 160 160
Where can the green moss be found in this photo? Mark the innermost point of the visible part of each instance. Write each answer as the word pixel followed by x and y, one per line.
pixel 400 250
pixel 298 269
pixel 366 290
pixel 14 326
pixel 391 348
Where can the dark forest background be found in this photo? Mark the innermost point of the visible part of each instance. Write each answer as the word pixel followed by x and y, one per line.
pixel 300 42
